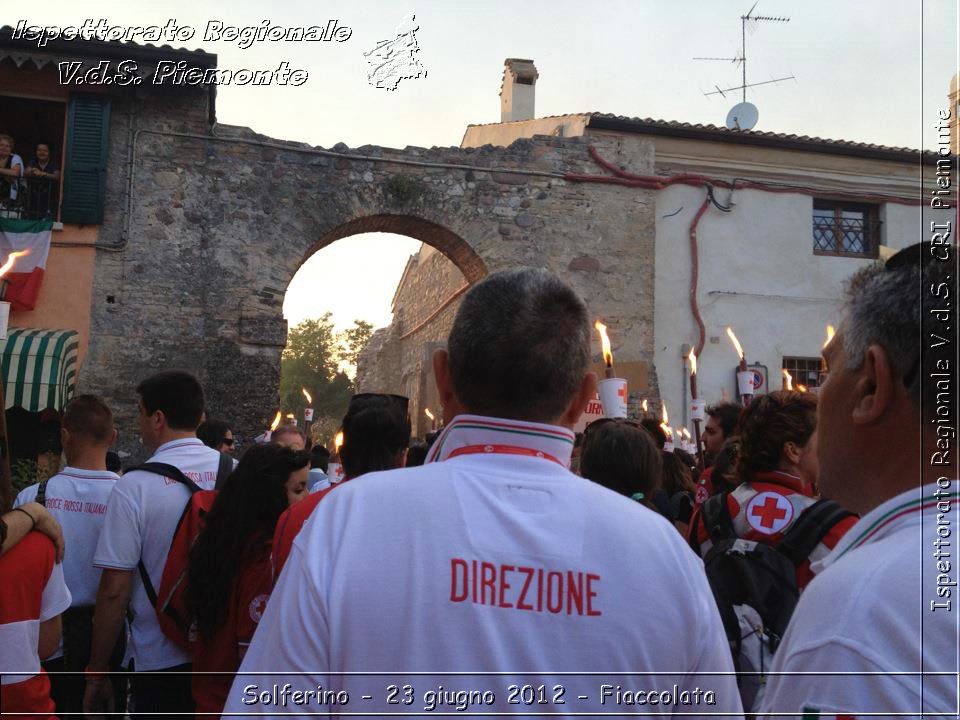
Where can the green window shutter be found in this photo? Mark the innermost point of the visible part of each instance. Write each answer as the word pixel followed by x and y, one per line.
pixel 85 168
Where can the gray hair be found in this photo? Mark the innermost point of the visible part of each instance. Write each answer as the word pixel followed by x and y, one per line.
pixel 891 308
pixel 520 346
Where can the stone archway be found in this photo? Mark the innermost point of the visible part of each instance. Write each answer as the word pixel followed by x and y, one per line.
pixel 211 229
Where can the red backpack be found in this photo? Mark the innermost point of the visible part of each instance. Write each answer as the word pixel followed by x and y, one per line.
pixel 169 601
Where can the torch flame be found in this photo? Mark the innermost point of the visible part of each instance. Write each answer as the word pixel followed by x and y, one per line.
pixel 736 343
pixel 276 422
pixel 644 405
pixel 604 343
pixel 666 418
pixel 291 416
pixel 12 260
pixel 307 396
pixel 830 333
pixel 692 357
pixel 337 441
pixel 426 411
pixel 789 379
pixel 801 388
pixel 686 433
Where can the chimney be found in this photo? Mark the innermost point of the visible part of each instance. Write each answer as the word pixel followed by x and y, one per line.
pixel 954 108
pixel 516 91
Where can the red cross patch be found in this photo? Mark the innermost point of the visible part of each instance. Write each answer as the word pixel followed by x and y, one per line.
pixel 257 606
pixel 769 513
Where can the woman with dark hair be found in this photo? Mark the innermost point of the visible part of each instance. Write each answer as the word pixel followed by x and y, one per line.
pixel 228 577
pixel 678 489
pixel 621 456
pixel 774 476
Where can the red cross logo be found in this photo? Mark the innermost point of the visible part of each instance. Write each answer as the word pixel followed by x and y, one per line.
pixel 622 393
pixel 769 513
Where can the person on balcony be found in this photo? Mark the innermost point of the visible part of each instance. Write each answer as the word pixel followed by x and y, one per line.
pixel 11 170
pixel 44 186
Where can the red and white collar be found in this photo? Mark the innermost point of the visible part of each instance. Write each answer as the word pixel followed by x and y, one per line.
pixel 88 474
pixel 181 443
pixel 778 477
pixel 904 510
pixel 474 434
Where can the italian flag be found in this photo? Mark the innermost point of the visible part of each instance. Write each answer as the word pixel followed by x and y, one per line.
pixel 30 240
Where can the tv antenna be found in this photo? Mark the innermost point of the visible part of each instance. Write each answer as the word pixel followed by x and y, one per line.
pixel 750 21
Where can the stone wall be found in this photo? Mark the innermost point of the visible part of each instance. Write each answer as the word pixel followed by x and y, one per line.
pixel 220 222
pixel 399 361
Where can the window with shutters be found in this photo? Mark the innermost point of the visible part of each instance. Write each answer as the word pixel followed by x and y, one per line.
pixel 803 371
pixel 71 184
pixel 36 132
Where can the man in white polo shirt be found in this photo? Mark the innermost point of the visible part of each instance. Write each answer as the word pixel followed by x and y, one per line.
pixel 884 604
pixel 141 517
pixel 77 498
pixel 492 557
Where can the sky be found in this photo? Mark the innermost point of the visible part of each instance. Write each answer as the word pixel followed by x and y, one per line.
pixel 872 71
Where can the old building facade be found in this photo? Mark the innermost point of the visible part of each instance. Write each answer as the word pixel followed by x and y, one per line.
pixel 768 258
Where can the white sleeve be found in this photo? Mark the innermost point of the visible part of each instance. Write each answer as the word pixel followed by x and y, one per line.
pixel 56 597
pixel 120 537
pixel 293 636
pixel 27 495
pixel 797 695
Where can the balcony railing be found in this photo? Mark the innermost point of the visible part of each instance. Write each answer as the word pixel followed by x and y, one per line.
pixel 30 199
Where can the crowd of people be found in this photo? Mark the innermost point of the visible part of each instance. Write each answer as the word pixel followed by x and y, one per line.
pixel 743 580
pixel 29 190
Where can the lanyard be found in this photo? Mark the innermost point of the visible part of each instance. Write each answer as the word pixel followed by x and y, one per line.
pixel 502 450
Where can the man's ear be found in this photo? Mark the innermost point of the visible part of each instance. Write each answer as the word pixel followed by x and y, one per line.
pixel 113 437
pixel 874 390
pixel 441 373
pixel 65 437
pixel 586 393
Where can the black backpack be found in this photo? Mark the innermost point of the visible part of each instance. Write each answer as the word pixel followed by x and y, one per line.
pixel 755 585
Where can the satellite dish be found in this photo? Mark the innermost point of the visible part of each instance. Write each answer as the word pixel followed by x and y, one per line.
pixel 742 116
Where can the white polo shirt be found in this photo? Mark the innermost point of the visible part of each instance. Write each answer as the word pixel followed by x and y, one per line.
pixel 142 515
pixel 78 500
pixel 879 604
pixel 492 557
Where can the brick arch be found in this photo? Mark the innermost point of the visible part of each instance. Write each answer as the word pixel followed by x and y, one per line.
pixel 454 247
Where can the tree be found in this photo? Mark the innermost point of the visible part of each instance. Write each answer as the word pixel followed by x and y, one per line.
pixel 355 340
pixel 310 360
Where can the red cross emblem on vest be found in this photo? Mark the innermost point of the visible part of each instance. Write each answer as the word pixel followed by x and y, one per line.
pixel 769 513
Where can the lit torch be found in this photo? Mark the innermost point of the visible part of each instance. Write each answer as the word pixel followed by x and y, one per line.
pixel 823 361
pixel 665 426
pixel 802 388
pixel 738 348
pixel 697 406
pixel 5 306
pixel 431 417
pixel 613 390
pixel 645 406
pixel 605 346
pixel 307 411
pixel 337 442
pixel 744 376
pixel 292 418
pixel 787 380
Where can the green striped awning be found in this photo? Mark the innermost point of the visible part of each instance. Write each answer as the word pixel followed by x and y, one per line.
pixel 39 368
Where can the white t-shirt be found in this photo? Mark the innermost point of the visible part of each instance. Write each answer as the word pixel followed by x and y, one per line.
pixel 78 500
pixel 14 183
pixel 870 610
pixel 142 515
pixel 498 558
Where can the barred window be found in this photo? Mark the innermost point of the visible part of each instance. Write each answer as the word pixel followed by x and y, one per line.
pixel 804 370
pixel 847 229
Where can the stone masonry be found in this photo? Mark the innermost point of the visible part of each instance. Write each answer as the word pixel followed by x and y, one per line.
pixel 219 222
